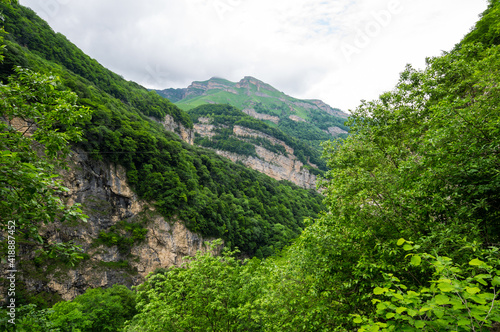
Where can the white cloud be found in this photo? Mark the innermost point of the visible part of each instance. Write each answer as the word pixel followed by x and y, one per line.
pixel 339 51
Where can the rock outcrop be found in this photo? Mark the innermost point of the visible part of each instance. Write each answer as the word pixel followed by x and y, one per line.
pixel 278 166
pixel 108 200
pixel 187 135
pixel 336 131
pixel 260 116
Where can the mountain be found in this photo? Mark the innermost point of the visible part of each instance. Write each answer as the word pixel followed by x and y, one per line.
pixel 311 121
pixel 151 197
pixel 253 123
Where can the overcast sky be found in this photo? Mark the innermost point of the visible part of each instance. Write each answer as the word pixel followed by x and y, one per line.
pixel 339 51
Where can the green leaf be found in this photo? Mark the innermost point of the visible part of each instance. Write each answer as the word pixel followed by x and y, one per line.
pixel 419 324
pixel 495 281
pixel 390 315
pixel 472 290
pixel 445 287
pixel 463 322
pixel 476 262
pixel 381 306
pixel 357 320
pixel 412 312
pixel 407 247
pixel 401 241
pixel 442 299
pixel 378 290
pixel 400 310
pixel 438 312
pixel 415 260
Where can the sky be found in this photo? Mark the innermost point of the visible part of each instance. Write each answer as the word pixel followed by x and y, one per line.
pixel 339 51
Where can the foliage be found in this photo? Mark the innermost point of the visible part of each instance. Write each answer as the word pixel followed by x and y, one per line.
pixel 459 297
pixel 123 234
pixel 28 319
pixel 264 99
pixel 487 29
pixel 202 295
pixel 94 311
pixel 421 165
pixel 40 119
pixel 227 116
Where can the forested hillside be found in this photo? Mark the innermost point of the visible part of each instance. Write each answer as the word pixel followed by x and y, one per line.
pixel 211 195
pixel 409 240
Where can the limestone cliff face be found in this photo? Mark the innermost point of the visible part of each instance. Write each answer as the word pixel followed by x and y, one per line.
pixel 336 130
pixel 249 82
pixel 296 118
pixel 204 128
pixel 187 135
pixel 261 116
pixel 107 199
pixel 246 132
pixel 199 88
pixel 330 110
pixel 275 165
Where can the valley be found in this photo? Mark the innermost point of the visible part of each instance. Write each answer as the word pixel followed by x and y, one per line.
pixel 232 206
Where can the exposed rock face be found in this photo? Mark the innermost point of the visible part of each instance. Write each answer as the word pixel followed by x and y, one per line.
pixel 247 82
pixel 199 88
pixel 107 199
pixel 260 116
pixel 276 166
pixel 330 110
pixel 187 135
pixel 296 118
pixel 336 130
pixel 246 132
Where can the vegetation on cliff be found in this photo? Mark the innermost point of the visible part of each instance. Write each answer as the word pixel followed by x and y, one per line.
pixel 212 195
pixel 225 117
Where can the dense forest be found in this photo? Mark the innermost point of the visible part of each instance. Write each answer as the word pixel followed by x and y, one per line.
pixel 409 239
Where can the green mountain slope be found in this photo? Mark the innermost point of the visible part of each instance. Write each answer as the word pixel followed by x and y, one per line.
pixel 311 121
pixel 213 196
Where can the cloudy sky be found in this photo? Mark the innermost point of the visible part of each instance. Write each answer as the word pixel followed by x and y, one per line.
pixel 339 51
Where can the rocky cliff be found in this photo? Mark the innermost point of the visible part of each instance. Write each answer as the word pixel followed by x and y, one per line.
pixel 314 120
pixel 276 165
pixel 113 208
pixel 187 135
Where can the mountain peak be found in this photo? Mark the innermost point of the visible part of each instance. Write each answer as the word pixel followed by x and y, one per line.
pixel 249 81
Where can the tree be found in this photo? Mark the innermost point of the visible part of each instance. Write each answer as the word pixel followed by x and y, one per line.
pixel 203 295
pixel 95 310
pixel 457 298
pixel 421 163
pixel 39 120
